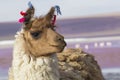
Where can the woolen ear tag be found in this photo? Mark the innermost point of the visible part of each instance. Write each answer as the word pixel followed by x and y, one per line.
pixel 23 19
pixel 57 9
pixel 30 4
pixel 23 13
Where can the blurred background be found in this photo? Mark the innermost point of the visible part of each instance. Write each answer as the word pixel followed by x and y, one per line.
pixel 93 25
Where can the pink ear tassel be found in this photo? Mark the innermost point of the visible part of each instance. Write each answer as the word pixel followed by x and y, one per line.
pixel 57 8
pixel 54 20
pixel 21 20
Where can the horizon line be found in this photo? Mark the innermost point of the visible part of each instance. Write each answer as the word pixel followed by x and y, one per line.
pixel 71 40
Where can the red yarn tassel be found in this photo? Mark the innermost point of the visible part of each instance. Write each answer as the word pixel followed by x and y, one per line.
pixel 21 20
pixel 23 13
pixel 54 20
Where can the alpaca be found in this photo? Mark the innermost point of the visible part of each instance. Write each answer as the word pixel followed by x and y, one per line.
pixel 34 50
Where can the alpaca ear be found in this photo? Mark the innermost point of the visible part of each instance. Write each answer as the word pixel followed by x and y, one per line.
pixel 29 14
pixel 49 15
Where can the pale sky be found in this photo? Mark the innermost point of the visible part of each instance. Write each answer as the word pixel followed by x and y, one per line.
pixel 9 9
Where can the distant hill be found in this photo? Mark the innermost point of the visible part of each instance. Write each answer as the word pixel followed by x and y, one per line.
pixel 78 27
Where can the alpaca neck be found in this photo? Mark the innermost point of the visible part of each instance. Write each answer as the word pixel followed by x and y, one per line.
pixel 41 68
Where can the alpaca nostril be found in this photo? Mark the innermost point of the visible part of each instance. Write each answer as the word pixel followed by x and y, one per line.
pixel 59 38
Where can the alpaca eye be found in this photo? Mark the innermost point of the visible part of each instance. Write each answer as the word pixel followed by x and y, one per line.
pixel 36 34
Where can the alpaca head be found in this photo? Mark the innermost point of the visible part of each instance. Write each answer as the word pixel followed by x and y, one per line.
pixel 40 35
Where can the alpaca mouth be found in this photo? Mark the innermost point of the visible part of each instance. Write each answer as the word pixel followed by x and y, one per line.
pixel 59 45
